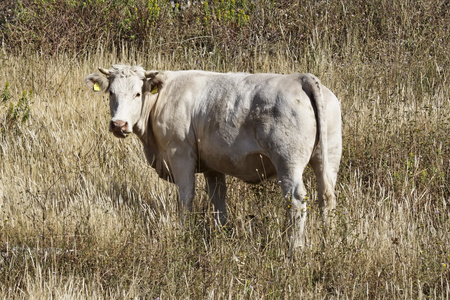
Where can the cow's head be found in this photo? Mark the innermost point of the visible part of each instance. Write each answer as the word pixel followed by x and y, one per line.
pixel 127 86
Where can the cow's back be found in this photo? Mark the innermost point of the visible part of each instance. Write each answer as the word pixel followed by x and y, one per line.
pixel 235 120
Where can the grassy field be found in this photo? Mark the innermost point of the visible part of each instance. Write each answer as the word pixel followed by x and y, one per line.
pixel 82 214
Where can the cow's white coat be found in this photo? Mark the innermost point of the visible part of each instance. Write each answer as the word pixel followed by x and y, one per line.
pixel 250 126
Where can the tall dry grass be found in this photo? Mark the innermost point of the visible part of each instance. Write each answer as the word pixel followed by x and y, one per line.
pixel 82 215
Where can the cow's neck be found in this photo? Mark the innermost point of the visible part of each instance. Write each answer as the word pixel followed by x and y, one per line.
pixel 143 129
pixel 143 126
pixel 152 152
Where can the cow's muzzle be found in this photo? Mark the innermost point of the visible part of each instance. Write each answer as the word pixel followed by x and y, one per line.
pixel 119 128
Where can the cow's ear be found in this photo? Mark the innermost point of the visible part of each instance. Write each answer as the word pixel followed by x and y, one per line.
pixel 97 82
pixel 154 82
pixel 151 74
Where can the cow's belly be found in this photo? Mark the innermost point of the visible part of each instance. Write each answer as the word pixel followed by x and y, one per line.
pixel 251 168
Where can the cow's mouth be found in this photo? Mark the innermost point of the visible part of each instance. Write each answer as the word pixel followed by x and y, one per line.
pixel 120 134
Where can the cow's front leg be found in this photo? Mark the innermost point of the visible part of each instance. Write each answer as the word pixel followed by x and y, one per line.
pixel 183 172
pixel 186 194
pixel 217 189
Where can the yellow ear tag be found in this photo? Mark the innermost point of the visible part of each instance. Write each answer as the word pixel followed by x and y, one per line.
pixel 96 87
pixel 154 89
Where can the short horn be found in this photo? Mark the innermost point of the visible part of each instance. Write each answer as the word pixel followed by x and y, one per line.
pixel 104 71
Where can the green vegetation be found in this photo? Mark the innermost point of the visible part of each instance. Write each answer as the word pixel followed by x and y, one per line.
pixel 82 215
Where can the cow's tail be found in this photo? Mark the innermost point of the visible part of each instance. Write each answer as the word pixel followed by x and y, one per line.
pixel 312 86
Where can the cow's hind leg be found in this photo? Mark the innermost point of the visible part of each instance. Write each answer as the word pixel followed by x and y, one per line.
pixel 295 193
pixel 216 187
pixel 296 198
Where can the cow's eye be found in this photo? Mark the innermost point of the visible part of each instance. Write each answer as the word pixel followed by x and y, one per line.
pixel 138 95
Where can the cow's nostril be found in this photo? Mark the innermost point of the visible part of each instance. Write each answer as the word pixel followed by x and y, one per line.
pixel 118 125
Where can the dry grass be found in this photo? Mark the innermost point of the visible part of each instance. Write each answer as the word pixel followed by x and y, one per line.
pixel 82 215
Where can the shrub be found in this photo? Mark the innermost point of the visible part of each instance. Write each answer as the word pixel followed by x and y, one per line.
pixel 17 113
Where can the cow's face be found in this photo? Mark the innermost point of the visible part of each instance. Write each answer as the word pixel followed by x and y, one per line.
pixel 126 90
pixel 125 102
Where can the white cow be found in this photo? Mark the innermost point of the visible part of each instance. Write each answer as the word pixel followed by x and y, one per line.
pixel 250 126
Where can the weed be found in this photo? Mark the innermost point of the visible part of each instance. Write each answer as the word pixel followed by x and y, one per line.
pixel 6 94
pixel 20 112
